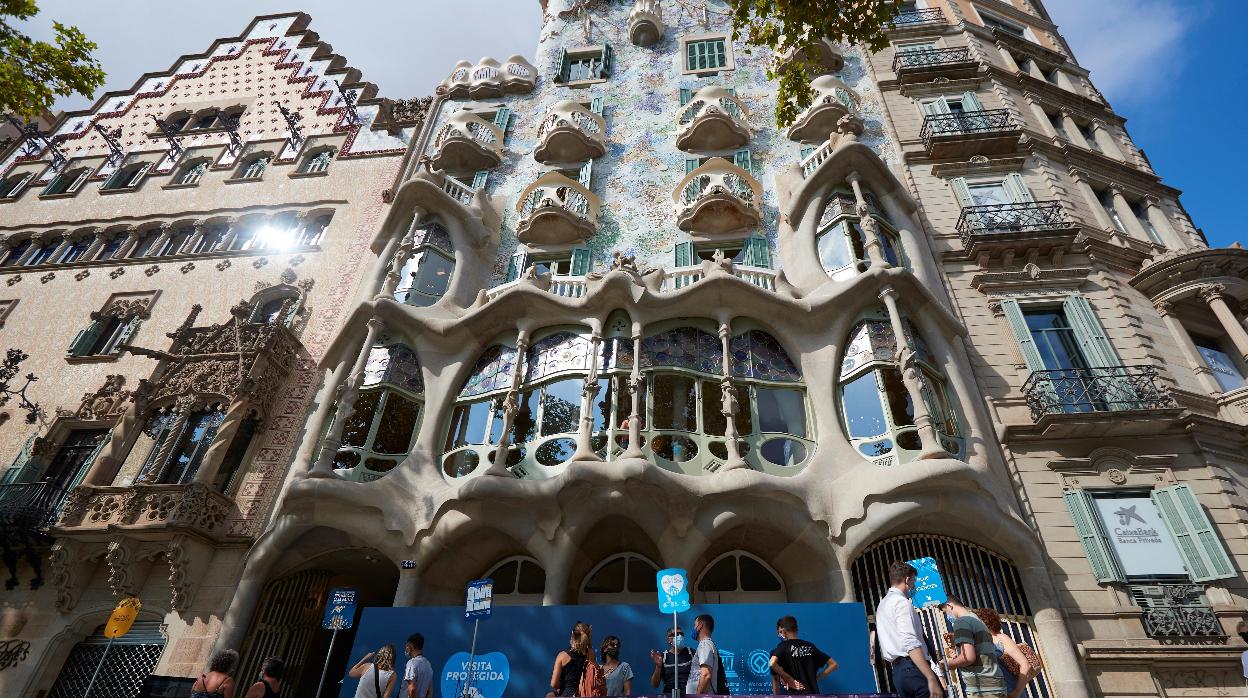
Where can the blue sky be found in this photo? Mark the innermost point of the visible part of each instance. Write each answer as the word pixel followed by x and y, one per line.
pixel 1168 66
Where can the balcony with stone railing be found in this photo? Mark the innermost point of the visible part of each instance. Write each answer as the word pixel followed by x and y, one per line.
pixel 667 280
pixel 995 227
pixel 717 197
pixel 152 511
pixel 556 210
pixel 489 78
pixel 962 135
pixel 1072 391
pixel 923 66
pixel 714 119
pixel 831 103
pixel 570 133
pixel 645 22
pixel 467 143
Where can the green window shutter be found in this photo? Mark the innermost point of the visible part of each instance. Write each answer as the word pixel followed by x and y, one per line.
pixel 126 333
pixel 85 339
pixel 478 179
pixel 77 183
pixel 562 75
pixel 1017 188
pixel 731 90
pixel 683 254
pixel 1194 535
pixel 691 55
pixel 516 266
pixel 692 164
pixel 721 53
pixel 936 106
pixel 586 173
pixel 686 94
pixel 1096 545
pixel 112 179
pixel 1018 327
pixel 806 151
pixel 501 118
pixel 24 467
pixel 970 102
pixel 608 61
pixel 138 176
pixel 741 159
pixel 86 464
pixel 595 105
pixel 962 191
pixel 1097 350
pixel 581 261
pixel 757 252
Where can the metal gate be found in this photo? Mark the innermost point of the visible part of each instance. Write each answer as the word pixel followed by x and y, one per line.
pixel 130 660
pixel 288 618
pixel 976 575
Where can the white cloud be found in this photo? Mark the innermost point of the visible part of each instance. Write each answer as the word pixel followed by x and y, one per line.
pixel 1127 44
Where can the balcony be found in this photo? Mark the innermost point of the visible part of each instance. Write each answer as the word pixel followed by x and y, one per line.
pixel 713 120
pixel 985 228
pixel 1177 612
pixel 489 79
pixel 153 512
pixel 831 103
pixel 556 210
pixel 570 133
pixel 717 197
pixel 1104 389
pixel 827 59
pixel 922 66
pixel 645 23
pixel 27 511
pixel 990 132
pixel 687 276
pixel 467 143
pixel 903 20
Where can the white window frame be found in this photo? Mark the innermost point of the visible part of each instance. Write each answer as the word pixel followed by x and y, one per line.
pixel 730 62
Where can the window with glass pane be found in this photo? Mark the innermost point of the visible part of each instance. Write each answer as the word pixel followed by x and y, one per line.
pixel 387 413
pixel 255 167
pixel 1055 339
pixel 72 459
pixel 110 248
pixel 706 54
pixel 75 251
pixel 584 67
pixel 1224 368
pixel 42 254
pixel 989 194
pixel 311 233
pixel 16 253
pixel 192 173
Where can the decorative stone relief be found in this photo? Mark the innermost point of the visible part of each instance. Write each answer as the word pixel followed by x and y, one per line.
pixel 223 265
pixel 13 279
pixel 82 275
pixel 106 403
pixel 116 272
pixel 47 277
pixel 13 652
pixel 187 268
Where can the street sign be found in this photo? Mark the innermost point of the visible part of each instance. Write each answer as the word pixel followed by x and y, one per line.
pixel 340 610
pixel 123 617
pixel 480 599
pixel 929 587
pixel 673 586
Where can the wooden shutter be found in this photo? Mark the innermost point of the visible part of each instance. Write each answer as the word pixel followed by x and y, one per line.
pixel 1017 189
pixel 1097 350
pixel 24 467
pixel 692 164
pixel 686 94
pixel 77 183
pixel 757 252
pixel 86 338
pixel 138 176
pixel 478 179
pixel 1022 334
pixel 111 182
pixel 562 74
pixel 962 191
pixel 585 175
pixel 608 61
pixel 127 332
pixel 501 119
pixel 683 254
pixel 691 55
pixel 741 159
pixel 581 261
pixel 1194 535
pixel 86 464
pixel 1096 544
pixel 519 262
pixel 940 105
pixel 970 102
pixel 595 105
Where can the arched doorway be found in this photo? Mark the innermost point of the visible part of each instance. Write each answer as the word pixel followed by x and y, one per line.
pixel 739 577
pixel 976 575
pixel 129 662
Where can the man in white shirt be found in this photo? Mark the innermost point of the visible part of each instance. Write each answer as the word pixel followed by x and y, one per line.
pixel 705 669
pixel 418 675
pixel 900 636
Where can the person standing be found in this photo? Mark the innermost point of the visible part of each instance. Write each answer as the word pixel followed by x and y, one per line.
pixel 619 675
pixel 676 661
pixel 1017 667
pixel 418 674
pixel 974 652
pixel 797 665
pixel 373 675
pixel 702 680
pixel 1242 629
pixel 565 676
pixel 269 684
pixel 217 682
pixel 900 636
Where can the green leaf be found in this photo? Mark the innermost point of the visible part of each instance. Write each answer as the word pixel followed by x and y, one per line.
pixel 34 73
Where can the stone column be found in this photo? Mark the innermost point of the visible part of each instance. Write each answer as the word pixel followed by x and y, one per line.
pixel 1062 662
pixel 5 248
pixel 398 251
pixel 635 385
pixel 498 465
pixel 584 435
pixel 200 229
pixel 1008 58
pixel 231 233
pixel 1042 118
pixel 1161 222
pixel 1215 296
pixel 728 395
pixel 869 227
pixel 210 464
pixel 97 243
pixel 104 467
pixel 1184 339
pixel 30 252
pixel 166 232
pixel 907 360
pixel 132 239
pixel 1093 202
pixel 1072 130
pixel 181 413
pixel 1106 141
pixel 66 242
pixel 345 400
pixel 1127 215
pixel 408 588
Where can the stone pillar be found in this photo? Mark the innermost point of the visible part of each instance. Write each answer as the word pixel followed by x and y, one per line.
pixel 1161 222
pixel 1127 215
pixel 5 248
pixel 104 467
pixel 1106 141
pixel 65 243
pixel 869 227
pixel 907 359
pixel 1072 130
pixel 345 401
pixel 498 465
pixel 1062 663
pixel 181 412
pixel 1215 296
pixel 30 252
pixel 132 239
pixel 200 230
pixel 1093 202
pixel 97 243
pixel 166 232
pixel 1203 373
pixel 408 588
pixel 635 385
pixel 1042 118
pixel 210 465
pixel 398 251
pixel 231 233
pixel 730 405
pixel 584 434
pixel 1008 58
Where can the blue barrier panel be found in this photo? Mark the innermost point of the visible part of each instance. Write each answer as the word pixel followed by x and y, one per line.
pixel 517 645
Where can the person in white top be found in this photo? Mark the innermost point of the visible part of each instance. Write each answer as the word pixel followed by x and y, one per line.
pixel 373 675
pixel 900 636
pixel 1242 629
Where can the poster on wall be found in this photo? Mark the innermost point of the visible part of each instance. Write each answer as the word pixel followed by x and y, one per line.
pixel 1140 538
pixel 516 656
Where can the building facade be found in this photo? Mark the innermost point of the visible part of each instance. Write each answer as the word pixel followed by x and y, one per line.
pixel 599 316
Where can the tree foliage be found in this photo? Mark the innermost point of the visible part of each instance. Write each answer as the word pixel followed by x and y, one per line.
pixel 34 73
pixel 795 28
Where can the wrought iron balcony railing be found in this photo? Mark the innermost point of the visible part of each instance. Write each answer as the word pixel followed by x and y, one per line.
pixel 1103 389
pixel 1177 611
pixel 1030 216
pixel 974 123
pixel 903 19
pixel 29 507
pixel 931 58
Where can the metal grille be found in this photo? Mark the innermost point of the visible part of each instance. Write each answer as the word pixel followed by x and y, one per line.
pixel 1104 389
pixel 1177 611
pixel 918 17
pixel 287 621
pixel 976 575
pixel 1032 216
pixel 130 660
pixel 971 123
pixel 931 58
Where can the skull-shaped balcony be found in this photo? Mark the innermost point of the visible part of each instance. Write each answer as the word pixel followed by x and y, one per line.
pixel 467 143
pixel 570 133
pixel 825 58
pixel 714 119
pixel 489 79
pixel 556 210
pixel 831 103
pixel 645 23
pixel 717 197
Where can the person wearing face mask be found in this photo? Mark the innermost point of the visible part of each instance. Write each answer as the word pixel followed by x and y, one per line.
pixel 900 637
pixel 797 665
pixel 619 674
pixel 973 652
pixel 674 661
pixel 704 680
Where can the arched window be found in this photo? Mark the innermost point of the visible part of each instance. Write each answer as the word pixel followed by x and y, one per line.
pixel 254 168
pixel 269 312
pixel 42 254
pixel 178 121
pixel 379 433
pixel 317 161
pixel 192 172
pixel 841 242
pixel 626 578
pixel 875 404
pixel 210 238
pixel 310 234
pixel 427 274
pixel 67 182
pixel 204 120
pixel 518 581
pixel 16 252
pixel 191 438
pixel 739 577
pixel 75 250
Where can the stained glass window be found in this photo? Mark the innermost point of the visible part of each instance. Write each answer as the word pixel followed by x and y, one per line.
pixel 434 234
pixel 683 347
pixel 756 354
pixel 870 340
pixel 397 365
pixel 562 351
pixel 492 372
pixel 916 342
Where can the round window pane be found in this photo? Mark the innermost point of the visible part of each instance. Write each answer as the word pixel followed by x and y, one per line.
pixel 622 441
pixel 719 449
pixel 784 451
pixel 674 448
pixel 909 440
pixel 515 454
pixel 555 451
pixel 505 577
pixel 379 465
pixel 876 448
pixel 461 463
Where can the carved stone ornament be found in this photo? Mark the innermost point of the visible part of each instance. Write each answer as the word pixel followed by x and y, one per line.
pixel 263 261
pixel 82 275
pixel 288 276
pixel 187 268
pixel 116 272
pixel 13 652
pixel 13 279
pixel 118 560
pixel 152 270
pixel 107 402
pixel 1116 476
pixel 47 277
pixel 297 260
pixel 124 308
pixel 223 265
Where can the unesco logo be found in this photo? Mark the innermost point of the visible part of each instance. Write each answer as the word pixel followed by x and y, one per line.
pixel 760 662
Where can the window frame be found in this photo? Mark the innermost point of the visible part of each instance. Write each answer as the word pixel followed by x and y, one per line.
pixel 600 55
pixel 729 59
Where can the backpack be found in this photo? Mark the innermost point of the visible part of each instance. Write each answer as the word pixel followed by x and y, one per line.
pixel 593 681
pixel 721 677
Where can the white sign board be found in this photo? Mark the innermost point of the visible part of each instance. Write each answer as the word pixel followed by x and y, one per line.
pixel 1140 538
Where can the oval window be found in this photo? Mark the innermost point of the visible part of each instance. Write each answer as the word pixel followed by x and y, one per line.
pixel 910 441
pixel 555 451
pixel 876 448
pixel 377 465
pixel 784 451
pixel 460 463
pixel 622 441
pixel 346 459
pixel 674 448
pixel 515 454
pixel 719 449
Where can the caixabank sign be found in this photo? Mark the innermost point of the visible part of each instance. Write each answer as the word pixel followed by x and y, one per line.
pixel 516 645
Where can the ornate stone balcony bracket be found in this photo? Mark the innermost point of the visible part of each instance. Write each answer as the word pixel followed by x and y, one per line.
pixel 146 512
pixel 570 133
pixel 832 101
pixel 467 143
pixel 714 119
pixel 645 22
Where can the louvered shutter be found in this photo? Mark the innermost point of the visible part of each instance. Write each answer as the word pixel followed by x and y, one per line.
pixel 741 159
pixel 595 105
pixel 686 94
pixel 501 119
pixel 936 106
pixel 138 176
pixel 608 61
pixel 86 464
pixel 757 252
pixel 962 191
pixel 683 254
pixel 516 266
pixel 85 338
pixel 79 181
pixel 970 102
pixel 1096 544
pixel 586 173
pixel 692 164
pixel 1194 535
pixel 1017 189
pixel 562 74
pixel 731 90
pixel 581 261
pixel 478 179
pixel 127 332
pixel 1022 334
pixel 1096 348
pixel 111 182
pixel 24 467
pixel 17 188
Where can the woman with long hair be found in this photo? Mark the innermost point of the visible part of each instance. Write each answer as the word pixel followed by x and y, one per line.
pixel 619 675
pixel 565 677
pixel 1015 664
pixel 375 674
pixel 217 682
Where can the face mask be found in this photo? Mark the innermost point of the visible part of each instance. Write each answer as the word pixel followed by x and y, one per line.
pixel 612 652
pixel 780 635
pixel 678 641
pixel 951 618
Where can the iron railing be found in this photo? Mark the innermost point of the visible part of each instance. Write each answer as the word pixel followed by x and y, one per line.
pixel 29 506
pixel 974 123
pixel 902 19
pixel 1103 389
pixel 1177 611
pixel 931 58
pixel 1029 216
